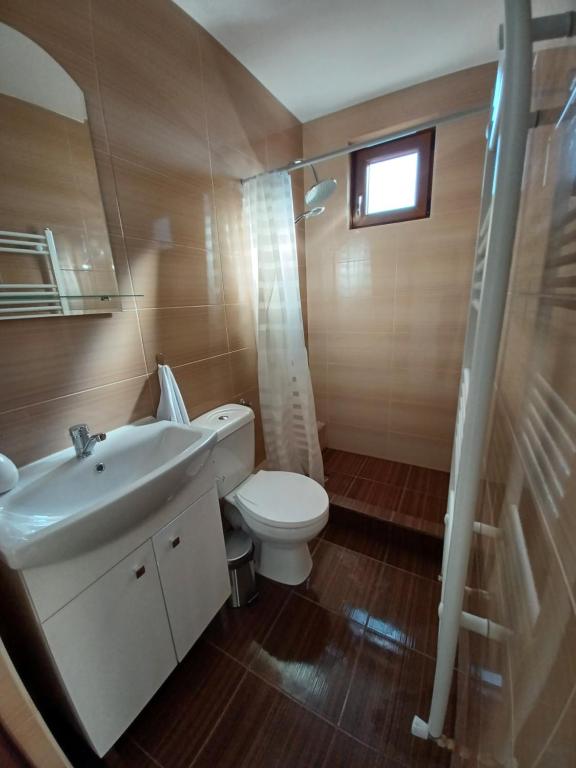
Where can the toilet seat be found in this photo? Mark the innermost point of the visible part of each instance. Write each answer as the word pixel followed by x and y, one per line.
pixel 281 499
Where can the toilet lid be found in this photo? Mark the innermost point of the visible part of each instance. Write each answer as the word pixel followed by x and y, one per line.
pixel 282 499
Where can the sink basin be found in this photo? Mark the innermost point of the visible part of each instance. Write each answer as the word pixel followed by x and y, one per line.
pixel 63 505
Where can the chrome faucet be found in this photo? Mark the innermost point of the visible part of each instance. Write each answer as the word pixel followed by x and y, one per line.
pixel 83 441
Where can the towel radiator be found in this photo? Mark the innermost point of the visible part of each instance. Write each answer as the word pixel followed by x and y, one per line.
pixel 506 144
pixel 18 300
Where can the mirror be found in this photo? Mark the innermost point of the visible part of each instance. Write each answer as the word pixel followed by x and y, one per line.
pixel 55 254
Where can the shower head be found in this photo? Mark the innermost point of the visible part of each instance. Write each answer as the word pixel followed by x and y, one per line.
pixel 308 214
pixel 320 191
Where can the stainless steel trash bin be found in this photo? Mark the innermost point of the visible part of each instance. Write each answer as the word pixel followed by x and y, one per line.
pixel 240 556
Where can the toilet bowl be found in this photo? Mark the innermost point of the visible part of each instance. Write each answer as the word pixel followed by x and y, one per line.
pixel 281 511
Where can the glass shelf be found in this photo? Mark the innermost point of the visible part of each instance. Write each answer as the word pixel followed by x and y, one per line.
pixel 43 296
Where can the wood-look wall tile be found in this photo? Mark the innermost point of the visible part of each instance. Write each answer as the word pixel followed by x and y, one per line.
pixel 365 441
pixel 365 351
pixel 370 414
pixel 157 207
pixel 60 25
pixel 240 324
pixel 151 136
pixel 153 56
pixel 183 334
pixel 103 408
pixel 240 112
pixel 173 275
pixel 244 366
pixel 428 420
pixel 205 384
pixel 47 358
pixel 429 452
pixel 107 183
pixel 343 381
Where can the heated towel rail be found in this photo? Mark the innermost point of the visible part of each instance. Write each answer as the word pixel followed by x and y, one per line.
pixel 506 144
pixel 33 299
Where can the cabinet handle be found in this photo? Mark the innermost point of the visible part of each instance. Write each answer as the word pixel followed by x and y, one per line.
pixel 140 571
pixel 175 542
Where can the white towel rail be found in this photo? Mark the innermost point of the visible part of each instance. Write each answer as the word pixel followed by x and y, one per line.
pixel 506 143
pixel 32 299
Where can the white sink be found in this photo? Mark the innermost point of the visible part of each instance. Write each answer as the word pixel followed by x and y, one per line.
pixel 63 505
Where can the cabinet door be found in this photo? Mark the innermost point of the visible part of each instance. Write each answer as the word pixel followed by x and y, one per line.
pixel 192 562
pixel 113 648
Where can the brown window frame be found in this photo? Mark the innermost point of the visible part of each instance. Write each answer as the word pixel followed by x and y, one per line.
pixel 423 143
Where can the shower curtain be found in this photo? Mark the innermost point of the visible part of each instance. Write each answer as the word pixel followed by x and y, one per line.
pixel 286 398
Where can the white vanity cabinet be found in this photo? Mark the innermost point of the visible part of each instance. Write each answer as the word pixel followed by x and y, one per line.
pixel 115 620
pixel 112 647
pixel 191 559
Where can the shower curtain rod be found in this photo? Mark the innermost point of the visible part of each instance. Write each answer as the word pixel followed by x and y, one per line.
pixel 297 164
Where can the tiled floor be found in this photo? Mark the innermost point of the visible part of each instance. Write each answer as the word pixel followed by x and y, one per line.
pixel 326 675
pixel 408 496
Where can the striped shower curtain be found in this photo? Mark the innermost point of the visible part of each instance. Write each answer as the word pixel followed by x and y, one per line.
pixel 286 398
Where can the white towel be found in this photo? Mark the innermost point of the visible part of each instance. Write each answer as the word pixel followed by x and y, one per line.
pixel 171 406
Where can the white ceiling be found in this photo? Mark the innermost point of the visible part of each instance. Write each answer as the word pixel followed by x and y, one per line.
pixel 318 56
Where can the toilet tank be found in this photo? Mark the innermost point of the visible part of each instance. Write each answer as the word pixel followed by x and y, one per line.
pixel 233 455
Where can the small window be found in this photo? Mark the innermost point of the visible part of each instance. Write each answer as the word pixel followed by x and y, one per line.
pixel 392 181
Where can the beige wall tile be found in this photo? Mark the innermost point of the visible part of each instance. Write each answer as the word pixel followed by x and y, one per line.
pixel 173 275
pixel 359 412
pixel 158 207
pixel 244 367
pixel 205 384
pixel 422 420
pixel 394 298
pixel 240 323
pixel 103 408
pixel 183 334
pixel 424 452
pixel 47 358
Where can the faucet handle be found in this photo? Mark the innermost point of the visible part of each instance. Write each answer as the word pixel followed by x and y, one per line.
pixel 78 429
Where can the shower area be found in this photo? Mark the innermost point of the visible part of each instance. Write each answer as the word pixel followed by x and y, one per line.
pixel 440 374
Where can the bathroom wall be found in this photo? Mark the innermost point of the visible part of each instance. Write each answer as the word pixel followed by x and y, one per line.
pixel 49 178
pixel 387 304
pixel 175 122
pixel 519 697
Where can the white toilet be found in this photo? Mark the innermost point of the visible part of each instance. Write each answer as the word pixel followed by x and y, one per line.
pixel 282 511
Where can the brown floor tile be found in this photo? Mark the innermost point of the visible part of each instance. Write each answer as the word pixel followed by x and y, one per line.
pixel 264 729
pixel 346 752
pixel 342 462
pixel 404 608
pixel 310 654
pixel 422 507
pixel 342 580
pixel 374 499
pixel 179 718
pixel 430 481
pixel 391 684
pixel 384 471
pixel 337 484
pixel 414 552
pixel 240 631
pixel 366 535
